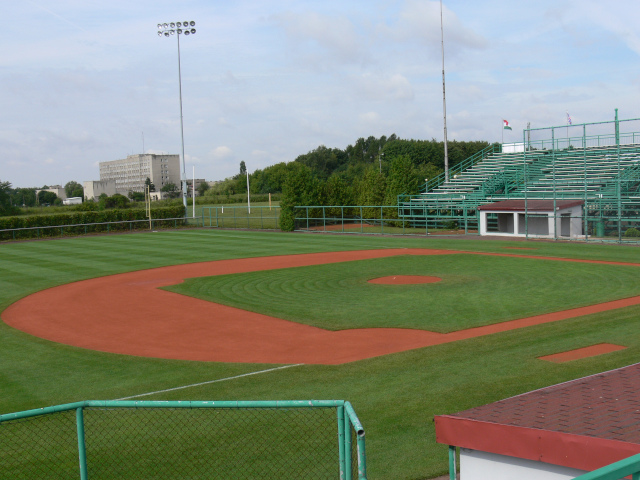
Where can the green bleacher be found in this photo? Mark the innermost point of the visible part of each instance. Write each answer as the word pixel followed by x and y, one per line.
pixel 606 177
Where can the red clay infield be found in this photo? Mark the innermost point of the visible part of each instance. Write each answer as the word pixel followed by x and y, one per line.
pixel 128 314
pixel 585 352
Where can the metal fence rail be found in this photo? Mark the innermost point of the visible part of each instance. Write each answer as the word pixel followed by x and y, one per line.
pixel 361 219
pixel 261 218
pixel 177 440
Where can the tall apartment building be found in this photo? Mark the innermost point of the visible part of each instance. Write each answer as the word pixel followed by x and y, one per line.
pixel 130 173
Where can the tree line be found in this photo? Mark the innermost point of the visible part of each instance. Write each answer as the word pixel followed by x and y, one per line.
pixel 349 166
pixel 370 172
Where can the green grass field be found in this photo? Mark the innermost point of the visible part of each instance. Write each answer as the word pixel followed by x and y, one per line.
pixel 474 291
pixel 395 396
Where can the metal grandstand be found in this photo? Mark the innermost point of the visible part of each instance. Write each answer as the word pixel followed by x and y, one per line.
pixel 598 163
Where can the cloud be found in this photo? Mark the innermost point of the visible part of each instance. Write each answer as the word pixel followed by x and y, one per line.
pixel 221 153
pixel 420 19
pixel 383 88
pixel 316 38
pixel 369 117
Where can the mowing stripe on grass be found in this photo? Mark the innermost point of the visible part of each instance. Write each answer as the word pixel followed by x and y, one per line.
pixel 210 381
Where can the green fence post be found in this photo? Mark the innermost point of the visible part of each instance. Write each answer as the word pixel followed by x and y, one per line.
pixel 82 452
pixel 341 442
pixel 324 219
pixel 347 448
pixel 452 462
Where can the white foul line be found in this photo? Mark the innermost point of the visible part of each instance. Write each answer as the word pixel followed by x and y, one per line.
pixel 211 381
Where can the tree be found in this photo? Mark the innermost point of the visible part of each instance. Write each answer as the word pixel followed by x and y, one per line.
pixel 24 197
pixel 114 201
pixel 171 190
pixel 403 178
pixel 5 199
pixel 301 187
pixel 372 187
pixel 46 198
pixel 202 188
pixel 147 183
pixel 136 196
pixel 73 189
pixel 243 168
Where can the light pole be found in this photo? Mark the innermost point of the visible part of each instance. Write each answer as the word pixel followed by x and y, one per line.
pixel 177 29
pixel 444 103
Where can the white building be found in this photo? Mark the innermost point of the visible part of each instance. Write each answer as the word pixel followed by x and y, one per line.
pixel 129 174
pixel 533 218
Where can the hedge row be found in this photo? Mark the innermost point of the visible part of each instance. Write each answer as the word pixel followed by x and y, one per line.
pixel 79 223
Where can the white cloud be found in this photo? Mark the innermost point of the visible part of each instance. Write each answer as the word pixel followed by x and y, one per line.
pixel 221 153
pixel 316 37
pixel 377 88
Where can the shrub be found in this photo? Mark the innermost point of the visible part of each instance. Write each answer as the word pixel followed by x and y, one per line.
pixel 632 232
pixel 86 221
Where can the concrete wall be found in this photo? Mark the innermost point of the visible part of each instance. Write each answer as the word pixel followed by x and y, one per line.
pixel 477 465
pixel 93 189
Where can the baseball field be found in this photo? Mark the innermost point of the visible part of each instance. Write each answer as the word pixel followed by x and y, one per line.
pixel 213 314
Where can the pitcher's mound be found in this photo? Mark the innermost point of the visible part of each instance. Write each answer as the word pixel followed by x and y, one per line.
pixel 405 280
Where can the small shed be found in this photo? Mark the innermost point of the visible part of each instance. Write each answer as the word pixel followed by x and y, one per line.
pixel 554 433
pixel 533 218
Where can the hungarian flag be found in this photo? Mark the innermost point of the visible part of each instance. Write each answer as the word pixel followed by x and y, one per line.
pixel 506 125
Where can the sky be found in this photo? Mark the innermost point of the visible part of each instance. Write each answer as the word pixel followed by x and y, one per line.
pixel 86 81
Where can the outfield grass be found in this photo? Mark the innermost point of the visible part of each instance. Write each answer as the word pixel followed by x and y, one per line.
pixel 395 396
pixel 474 291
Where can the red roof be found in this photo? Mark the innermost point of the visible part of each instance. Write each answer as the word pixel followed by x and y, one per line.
pixel 585 424
pixel 532 205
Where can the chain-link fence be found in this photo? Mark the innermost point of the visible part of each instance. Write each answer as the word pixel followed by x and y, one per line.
pixel 257 218
pixel 103 440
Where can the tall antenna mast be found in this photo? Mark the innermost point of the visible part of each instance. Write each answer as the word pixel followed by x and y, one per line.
pixel 444 103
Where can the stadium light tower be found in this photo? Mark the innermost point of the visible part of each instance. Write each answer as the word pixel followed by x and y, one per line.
pixel 177 29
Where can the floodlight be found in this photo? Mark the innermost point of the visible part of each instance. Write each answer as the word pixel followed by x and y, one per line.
pixel 167 30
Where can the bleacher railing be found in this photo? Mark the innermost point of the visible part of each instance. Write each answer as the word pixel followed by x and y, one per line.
pixel 104 440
